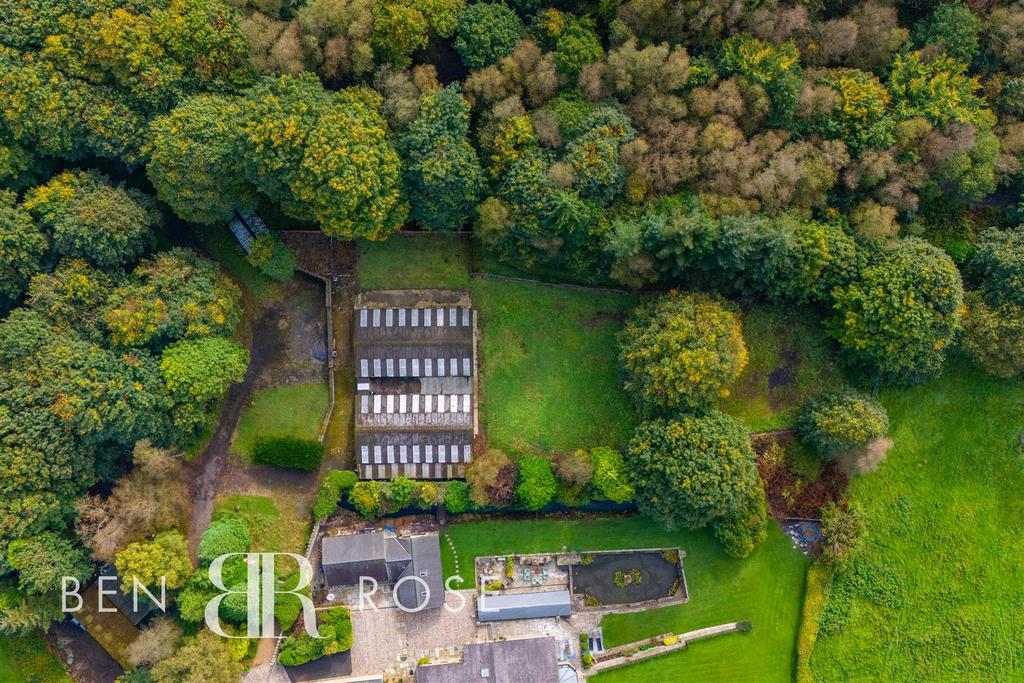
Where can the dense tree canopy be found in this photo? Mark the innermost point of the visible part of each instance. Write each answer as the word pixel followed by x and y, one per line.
pixel 693 471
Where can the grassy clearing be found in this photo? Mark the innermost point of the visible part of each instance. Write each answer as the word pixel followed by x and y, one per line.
pixel 791 361
pixel 293 410
pixel 937 596
pixel 272 528
pixel 415 261
pixel 766 588
pixel 26 660
pixel 549 368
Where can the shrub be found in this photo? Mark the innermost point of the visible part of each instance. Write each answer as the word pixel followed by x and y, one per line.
pixel 994 336
pixel 743 530
pixel 223 536
pixel 610 476
pixel 288 451
pixel 335 483
pixel 367 497
pixel 841 420
pixel 537 484
pixel 842 534
pixel 335 626
pixel 681 351
pixel 456 497
pixel 272 257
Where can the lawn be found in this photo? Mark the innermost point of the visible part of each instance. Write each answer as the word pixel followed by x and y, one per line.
pixel 270 528
pixel 293 410
pixel 26 660
pixel 766 588
pixel 938 595
pixel 790 361
pixel 549 368
pixel 415 261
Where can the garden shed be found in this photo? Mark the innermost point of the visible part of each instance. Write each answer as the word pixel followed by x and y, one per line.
pixel 532 605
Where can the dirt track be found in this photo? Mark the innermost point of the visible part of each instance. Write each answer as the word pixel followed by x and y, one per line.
pixel 208 466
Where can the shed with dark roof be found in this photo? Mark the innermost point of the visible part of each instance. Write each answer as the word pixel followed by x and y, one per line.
pixel 503 661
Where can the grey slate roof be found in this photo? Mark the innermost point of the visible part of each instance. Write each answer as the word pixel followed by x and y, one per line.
pixel 529 660
pixel 124 602
pixel 534 605
pixel 389 559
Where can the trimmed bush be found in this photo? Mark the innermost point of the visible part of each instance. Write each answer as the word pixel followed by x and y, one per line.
pixel 610 476
pixel 272 257
pixel 537 484
pixel 335 483
pixel 841 420
pixel 368 498
pixel 223 536
pixel 456 497
pixel 288 451
pixel 335 627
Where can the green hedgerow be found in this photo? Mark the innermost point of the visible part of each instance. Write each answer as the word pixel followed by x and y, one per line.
pixel 288 451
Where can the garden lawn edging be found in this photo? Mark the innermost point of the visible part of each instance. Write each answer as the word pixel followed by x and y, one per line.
pixel 630 653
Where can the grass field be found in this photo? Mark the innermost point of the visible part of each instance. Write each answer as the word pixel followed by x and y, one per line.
pixel 549 368
pixel 293 410
pixel 791 361
pixel 415 261
pixel 25 659
pixel 766 588
pixel 939 596
pixel 270 528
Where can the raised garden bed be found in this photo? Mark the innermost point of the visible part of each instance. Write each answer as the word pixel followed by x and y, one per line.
pixel 623 578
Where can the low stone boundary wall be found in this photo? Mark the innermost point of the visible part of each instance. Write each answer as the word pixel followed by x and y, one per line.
pixel 623 655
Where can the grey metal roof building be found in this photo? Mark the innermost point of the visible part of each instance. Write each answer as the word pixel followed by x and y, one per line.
pixel 415 404
pixel 533 605
pixel 388 560
pixel 531 660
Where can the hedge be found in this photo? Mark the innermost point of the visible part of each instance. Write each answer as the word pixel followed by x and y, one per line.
pixel 335 483
pixel 223 536
pixel 288 451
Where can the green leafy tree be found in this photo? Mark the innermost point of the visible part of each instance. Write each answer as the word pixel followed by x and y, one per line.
pixel 22 248
pixel 776 68
pixel 399 29
pixel 610 475
pixel 537 484
pixel 223 536
pixel 998 264
pixel 841 420
pixel 197 159
pixel 861 116
pixel 90 218
pixel 576 46
pixel 952 27
pixel 197 372
pixel 175 294
pixel 335 628
pixel 486 33
pixel 903 313
pixel 163 558
pixel 681 351
pixel 42 561
pixel 693 471
pixel 442 175
pixel 204 657
pixel 349 178
pixel 368 498
pixel 938 89
pixel 994 336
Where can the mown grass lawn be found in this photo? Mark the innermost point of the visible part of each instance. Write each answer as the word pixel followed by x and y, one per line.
pixel 272 527
pixel 415 261
pixel 293 410
pixel 790 361
pixel 766 588
pixel 24 659
pixel 939 595
pixel 549 367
